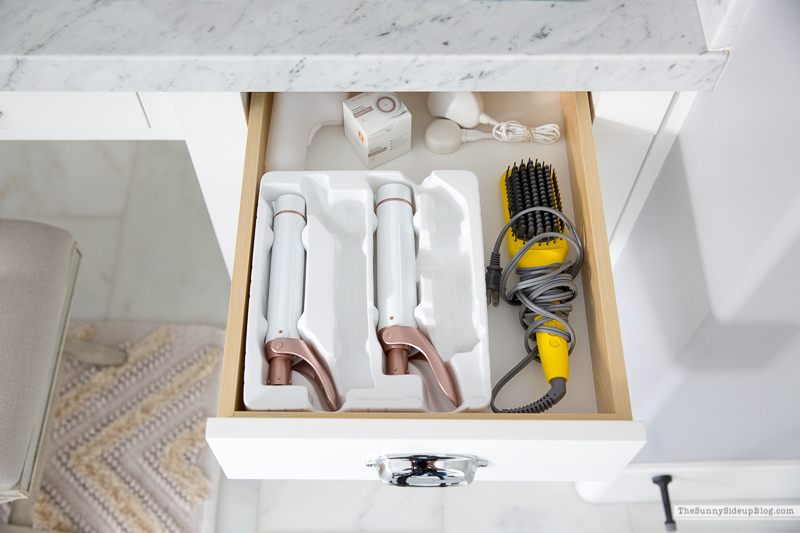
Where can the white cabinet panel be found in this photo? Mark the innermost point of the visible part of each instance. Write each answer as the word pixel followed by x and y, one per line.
pixel 629 113
pixel 68 111
pixel 619 159
pixel 214 127
pixel 624 127
pixel 700 482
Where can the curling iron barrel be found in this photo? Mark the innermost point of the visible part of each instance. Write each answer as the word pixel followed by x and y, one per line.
pixel 285 350
pixel 397 288
pixel 287 269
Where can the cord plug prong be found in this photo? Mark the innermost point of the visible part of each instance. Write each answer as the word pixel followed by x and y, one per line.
pixel 494 274
pixel 492 297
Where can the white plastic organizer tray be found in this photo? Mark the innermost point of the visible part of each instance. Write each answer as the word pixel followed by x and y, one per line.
pixel 488 159
pixel 339 317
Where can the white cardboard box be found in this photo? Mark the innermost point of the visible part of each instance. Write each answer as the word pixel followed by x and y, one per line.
pixel 378 125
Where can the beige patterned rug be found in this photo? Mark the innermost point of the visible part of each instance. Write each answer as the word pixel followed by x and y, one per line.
pixel 128 452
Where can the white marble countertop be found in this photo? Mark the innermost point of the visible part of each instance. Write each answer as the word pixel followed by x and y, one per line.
pixel 334 45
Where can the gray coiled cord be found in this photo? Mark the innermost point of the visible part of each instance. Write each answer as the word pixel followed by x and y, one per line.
pixel 547 291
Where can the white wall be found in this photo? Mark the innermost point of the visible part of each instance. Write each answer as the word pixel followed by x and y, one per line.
pixel 709 281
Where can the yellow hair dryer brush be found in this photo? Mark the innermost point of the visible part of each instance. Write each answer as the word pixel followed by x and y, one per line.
pixel 539 237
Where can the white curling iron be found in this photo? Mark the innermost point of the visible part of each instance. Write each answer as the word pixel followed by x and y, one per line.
pixel 397 288
pixel 285 350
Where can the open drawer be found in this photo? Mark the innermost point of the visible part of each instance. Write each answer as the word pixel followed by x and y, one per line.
pixel 592 443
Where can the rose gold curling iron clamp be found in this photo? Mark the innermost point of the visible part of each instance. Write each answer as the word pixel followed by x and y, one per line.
pixel 285 351
pixel 397 289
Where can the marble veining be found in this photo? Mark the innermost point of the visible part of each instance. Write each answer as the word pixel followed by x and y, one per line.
pixel 354 45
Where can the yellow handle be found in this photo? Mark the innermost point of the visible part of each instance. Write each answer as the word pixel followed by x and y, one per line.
pixel 554 353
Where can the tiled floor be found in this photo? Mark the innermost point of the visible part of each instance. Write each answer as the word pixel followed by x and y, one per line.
pixel 483 507
pixel 149 251
pixel 135 208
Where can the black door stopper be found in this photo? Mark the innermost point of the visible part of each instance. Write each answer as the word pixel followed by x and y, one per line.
pixel 663 481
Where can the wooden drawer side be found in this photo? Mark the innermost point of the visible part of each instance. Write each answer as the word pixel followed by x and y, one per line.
pixel 232 380
pixel 608 363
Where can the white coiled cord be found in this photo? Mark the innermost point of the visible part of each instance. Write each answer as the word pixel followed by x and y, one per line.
pixel 513 131
pixel 444 136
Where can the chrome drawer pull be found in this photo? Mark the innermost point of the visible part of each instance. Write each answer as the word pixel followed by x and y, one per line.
pixel 427 470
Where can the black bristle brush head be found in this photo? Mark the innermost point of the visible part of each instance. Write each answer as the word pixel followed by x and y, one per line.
pixel 532 184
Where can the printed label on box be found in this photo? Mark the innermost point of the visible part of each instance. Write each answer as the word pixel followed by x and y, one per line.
pixel 378 125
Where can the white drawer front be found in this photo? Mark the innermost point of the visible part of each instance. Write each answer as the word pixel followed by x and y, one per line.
pixel 516 450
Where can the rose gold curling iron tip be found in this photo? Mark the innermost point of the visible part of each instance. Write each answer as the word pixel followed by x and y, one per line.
pixel 395 341
pixel 280 356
